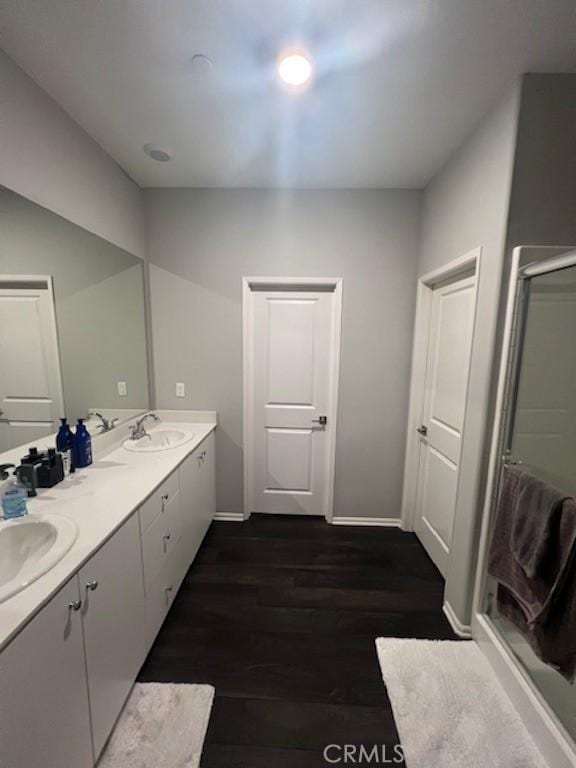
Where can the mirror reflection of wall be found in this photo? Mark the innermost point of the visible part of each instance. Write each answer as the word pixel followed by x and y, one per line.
pixel 545 426
pixel 72 327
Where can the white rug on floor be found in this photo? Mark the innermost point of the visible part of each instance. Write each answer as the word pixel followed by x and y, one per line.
pixel 450 709
pixel 163 725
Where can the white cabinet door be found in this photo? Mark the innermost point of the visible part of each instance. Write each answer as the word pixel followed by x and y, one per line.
pixel 197 496
pixel 114 625
pixel 44 715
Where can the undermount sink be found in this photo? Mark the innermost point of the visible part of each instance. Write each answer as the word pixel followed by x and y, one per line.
pixel 159 439
pixel 29 547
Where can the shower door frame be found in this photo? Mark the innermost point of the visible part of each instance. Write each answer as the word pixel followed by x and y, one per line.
pixel 548 732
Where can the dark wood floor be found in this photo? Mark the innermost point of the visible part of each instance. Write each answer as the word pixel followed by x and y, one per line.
pixel 280 616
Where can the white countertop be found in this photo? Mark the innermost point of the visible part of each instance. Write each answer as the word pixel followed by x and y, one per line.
pixel 99 499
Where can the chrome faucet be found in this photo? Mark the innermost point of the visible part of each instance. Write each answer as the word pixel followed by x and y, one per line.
pixel 106 425
pixel 137 431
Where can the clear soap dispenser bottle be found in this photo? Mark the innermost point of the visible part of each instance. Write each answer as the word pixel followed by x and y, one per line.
pixel 13 494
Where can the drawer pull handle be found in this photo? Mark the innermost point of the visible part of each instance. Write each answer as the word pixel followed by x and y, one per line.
pixel 75 605
pixel 92 585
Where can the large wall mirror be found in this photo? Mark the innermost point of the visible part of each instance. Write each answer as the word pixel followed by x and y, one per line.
pixel 72 326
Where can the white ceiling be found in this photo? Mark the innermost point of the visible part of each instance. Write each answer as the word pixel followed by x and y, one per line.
pixel 399 83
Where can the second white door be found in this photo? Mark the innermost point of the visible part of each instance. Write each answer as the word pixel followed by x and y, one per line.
pixel 448 360
pixel 30 387
pixel 291 356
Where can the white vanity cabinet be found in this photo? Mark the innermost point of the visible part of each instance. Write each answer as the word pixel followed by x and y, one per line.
pixel 174 521
pixel 44 713
pixel 65 677
pixel 197 483
pixel 112 610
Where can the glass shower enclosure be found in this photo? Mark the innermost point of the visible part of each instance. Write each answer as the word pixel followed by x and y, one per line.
pixel 536 427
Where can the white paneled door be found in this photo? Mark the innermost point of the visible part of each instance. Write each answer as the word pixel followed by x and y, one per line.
pixel 440 434
pixel 30 385
pixel 291 359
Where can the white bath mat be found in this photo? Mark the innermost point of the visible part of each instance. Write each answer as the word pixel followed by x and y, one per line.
pixel 450 709
pixel 163 725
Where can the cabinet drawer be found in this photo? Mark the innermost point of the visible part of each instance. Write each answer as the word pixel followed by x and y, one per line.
pixel 157 504
pixel 160 594
pixel 161 539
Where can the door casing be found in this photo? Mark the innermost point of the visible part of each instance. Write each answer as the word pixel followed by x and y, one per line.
pixel 249 284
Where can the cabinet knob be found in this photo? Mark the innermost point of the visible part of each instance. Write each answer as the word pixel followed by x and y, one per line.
pixel 92 585
pixel 167 537
pixel 75 605
pixel 169 589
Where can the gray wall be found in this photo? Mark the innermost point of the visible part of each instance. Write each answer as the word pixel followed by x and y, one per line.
pixel 543 202
pixel 466 206
pixel 201 243
pixel 49 159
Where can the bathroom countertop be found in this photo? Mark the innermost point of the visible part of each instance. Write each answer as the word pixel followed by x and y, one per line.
pixel 99 499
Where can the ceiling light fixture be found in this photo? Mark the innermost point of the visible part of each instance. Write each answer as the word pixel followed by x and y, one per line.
pixel 157 153
pixel 295 69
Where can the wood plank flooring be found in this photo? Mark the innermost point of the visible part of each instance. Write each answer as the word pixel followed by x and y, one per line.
pixel 280 614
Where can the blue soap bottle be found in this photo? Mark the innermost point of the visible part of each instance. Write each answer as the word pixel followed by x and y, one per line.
pixel 82 445
pixel 13 496
pixel 65 445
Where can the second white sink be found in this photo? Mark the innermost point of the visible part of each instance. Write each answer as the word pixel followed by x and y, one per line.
pixel 159 439
pixel 29 547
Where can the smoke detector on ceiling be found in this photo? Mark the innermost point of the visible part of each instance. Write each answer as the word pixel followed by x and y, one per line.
pixel 200 64
pixel 157 153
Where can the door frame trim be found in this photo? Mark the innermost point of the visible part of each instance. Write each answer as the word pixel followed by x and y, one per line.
pixel 49 282
pixel 249 284
pixel 425 287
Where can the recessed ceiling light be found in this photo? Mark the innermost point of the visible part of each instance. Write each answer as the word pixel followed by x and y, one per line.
pixel 295 69
pixel 157 153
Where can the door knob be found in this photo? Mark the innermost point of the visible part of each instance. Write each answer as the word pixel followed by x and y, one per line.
pixel 322 420
pixel 422 430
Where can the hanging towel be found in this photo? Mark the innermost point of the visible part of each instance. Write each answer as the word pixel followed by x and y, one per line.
pixel 537 510
pixel 533 558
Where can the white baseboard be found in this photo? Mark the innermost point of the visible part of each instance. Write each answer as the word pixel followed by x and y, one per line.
pixel 229 517
pixel 387 522
pixel 462 630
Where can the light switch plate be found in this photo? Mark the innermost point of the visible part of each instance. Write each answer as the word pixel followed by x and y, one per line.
pixel 122 389
pixel 180 389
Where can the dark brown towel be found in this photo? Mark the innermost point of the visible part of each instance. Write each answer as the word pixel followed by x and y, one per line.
pixel 535 565
pixel 538 508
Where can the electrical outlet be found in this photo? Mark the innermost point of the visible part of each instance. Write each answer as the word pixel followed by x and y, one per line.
pixel 180 389
pixel 122 389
